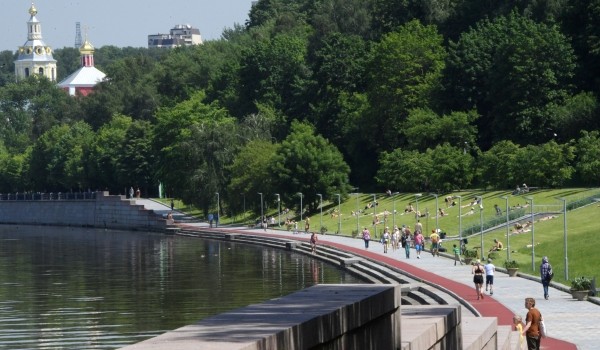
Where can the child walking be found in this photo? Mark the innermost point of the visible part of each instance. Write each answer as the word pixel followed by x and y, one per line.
pixel 456 251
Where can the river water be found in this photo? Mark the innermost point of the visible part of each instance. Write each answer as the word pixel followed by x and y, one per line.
pixel 73 288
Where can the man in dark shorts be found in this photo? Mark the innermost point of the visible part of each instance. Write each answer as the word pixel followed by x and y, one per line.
pixel 489 276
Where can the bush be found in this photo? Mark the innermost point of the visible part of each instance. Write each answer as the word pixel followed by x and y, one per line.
pixel 511 264
pixel 323 230
pixel 493 255
pixel 581 283
pixel 470 253
pixel 354 233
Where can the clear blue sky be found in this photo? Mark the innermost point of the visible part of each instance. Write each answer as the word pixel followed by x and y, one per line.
pixel 116 22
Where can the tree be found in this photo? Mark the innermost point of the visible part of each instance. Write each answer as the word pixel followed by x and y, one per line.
pixel 588 157
pixel 250 173
pixel 514 71
pixel 404 170
pixel 309 164
pixel 56 162
pixel 423 128
pixel 195 142
pixel 498 166
pixel 404 74
pixel 547 165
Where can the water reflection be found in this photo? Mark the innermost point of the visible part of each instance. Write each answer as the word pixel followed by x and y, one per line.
pixel 68 288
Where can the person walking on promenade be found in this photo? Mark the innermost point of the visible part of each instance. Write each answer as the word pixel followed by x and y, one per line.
pixel 306 224
pixel 546 274
pixel 435 243
pixel 395 238
pixel 477 271
pixel 313 242
pixel 366 235
pixel 419 242
pixel 385 239
pixel 489 276
pixel 532 321
pixel 456 251
pixel 406 243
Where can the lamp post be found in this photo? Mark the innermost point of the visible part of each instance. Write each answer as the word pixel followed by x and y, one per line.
pixel 530 199
pixel 244 205
pixel 321 206
pixel 261 210
pixel 417 200
pixel 564 200
pixel 357 214
pixel 218 209
pixel 480 198
pixel 436 211
pixel 507 229
pixel 339 214
pixel 375 213
pixel 460 239
pixel 301 195
pixel 278 209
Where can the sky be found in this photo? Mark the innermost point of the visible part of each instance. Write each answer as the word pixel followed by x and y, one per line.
pixel 116 22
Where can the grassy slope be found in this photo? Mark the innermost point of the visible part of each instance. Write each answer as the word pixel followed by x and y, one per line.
pixel 582 224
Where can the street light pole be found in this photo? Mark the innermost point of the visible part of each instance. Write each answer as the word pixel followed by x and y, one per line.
pixel 301 195
pixel 532 235
pixel 261 210
pixel 218 209
pixel 321 206
pixel 244 201
pixel 339 214
pixel 564 200
pixel 375 213
pixel 278 209
pixel 460 239
pixel 480 198
pixel 357 214
pixel 507 229
pixel 417 200
pixel 436 212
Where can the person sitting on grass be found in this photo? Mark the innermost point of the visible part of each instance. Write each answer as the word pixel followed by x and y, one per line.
pixel 497 246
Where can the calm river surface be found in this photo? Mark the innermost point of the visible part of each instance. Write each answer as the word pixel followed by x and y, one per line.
pixel 73 288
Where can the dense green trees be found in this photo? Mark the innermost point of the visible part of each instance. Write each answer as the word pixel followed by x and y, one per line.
pixel 310 96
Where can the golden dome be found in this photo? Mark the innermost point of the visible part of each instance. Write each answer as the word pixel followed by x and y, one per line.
pixel 32 10
pixel 87 47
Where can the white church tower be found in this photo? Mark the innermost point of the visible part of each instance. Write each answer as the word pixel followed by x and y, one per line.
pixel 35 57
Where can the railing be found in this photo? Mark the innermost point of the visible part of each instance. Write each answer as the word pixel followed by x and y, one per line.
pixel 39 196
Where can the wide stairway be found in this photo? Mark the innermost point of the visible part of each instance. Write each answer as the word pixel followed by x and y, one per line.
pixel 423 311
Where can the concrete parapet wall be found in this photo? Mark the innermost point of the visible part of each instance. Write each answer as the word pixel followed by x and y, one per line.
pixel 105 211
pixel 349 317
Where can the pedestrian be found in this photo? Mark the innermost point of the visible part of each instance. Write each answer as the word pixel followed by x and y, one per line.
pixel 395 238
pixel 532 321
pixel 406 243
pixel 386 240
pixel 489 276
pixel 306 224
pixel 456 251
pixel 366 235
pixel 435 243
pixel 478 271
pixel 172 204
pixel 313 242
pixel 131 192
pixel 138 194
pixel 210 220
pixel 518 324
pixel 419 241
pixel 546 275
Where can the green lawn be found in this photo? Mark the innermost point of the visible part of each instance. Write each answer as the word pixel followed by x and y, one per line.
pixel 582 230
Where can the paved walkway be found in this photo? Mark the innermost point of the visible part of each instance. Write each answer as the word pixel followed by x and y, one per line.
pixel 571 324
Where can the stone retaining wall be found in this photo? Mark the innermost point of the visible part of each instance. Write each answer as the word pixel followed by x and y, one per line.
pixel 105 211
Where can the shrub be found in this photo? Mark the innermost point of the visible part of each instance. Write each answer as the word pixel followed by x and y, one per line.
pixel 581 283
pixel 470 253
pixel 511 264
pixel 323 230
